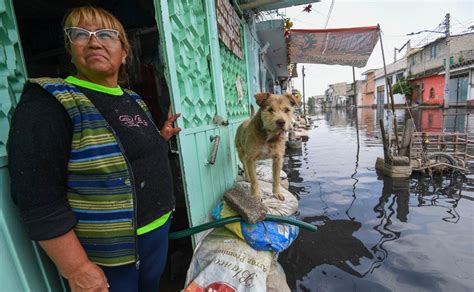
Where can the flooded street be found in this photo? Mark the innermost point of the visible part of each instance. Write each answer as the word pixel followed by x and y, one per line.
pixel 376 234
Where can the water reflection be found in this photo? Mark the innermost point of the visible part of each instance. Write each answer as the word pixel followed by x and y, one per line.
pixel 440 191
pixel 333 244
pixel 394 192
pixel 367 222
pixel 439 120
pixel 426 120
pixel 398 190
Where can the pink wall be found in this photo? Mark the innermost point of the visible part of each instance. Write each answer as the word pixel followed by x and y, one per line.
pixel 435 82
pixel 368 91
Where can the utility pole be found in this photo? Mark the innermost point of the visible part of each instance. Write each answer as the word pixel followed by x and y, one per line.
pixel 447 63
pixel 304 100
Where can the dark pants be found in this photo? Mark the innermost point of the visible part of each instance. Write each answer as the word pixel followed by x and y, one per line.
pixel 152 250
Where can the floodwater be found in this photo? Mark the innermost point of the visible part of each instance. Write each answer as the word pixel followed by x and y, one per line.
pixel 376 234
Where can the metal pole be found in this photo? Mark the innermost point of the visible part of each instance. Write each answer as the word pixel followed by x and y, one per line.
pixel 394 55
pixel 447 64
pixel 304 99
pixel 389 89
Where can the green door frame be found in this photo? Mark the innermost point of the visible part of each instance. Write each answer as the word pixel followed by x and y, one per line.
pixel 203 183
pixel 24 266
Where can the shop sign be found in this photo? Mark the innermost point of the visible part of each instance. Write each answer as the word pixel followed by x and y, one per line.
pixel 343 46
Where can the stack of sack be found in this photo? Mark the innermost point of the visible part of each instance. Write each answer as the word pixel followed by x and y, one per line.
pixel 263 235
pixel 242 256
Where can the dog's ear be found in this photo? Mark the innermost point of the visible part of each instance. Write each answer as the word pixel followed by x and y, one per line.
pixel 261 98
pixel 294 99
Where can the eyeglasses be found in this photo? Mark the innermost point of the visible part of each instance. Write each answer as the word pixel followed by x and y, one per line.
pixel 80 36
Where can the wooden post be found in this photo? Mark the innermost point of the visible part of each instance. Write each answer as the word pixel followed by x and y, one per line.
pixel 386 154
pixel 406 139
pixel 389 89
pixel 355 106
pixel 355 86
pixel 304 98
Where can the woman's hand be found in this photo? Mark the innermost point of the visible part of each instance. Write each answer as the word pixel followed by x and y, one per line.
pixel 168 129
pixel 72 262
pixel 89 277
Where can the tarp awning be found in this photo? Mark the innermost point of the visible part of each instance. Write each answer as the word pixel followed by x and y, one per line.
pixel 340 46
pixel 265 5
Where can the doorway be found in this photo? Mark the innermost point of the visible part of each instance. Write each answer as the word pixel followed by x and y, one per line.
pixel 40 29
pixel 458 89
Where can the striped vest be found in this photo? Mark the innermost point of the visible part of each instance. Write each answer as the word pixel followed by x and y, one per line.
pixel 99 189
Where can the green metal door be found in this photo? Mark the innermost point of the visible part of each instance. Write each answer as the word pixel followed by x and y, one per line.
pixel 188 34
pixel 235 70
pixel 23 266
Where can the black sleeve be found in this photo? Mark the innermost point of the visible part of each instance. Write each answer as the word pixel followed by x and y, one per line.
pixel 39 144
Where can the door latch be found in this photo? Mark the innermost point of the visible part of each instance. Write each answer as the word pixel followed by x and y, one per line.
pixel 215 146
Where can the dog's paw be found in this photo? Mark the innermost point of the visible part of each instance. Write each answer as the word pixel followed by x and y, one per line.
pixel 258 194
pixel 279 196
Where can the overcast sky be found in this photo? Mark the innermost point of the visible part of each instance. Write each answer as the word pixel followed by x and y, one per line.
pixel 396 19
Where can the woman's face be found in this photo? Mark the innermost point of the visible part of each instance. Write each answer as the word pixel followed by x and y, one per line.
pixel 96 61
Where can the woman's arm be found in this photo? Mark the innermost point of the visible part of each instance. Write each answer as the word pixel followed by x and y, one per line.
pixel 39 145
pixel 70 258
pixel 38 153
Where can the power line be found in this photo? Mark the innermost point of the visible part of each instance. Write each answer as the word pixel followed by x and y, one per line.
pixel 426 39
pixel 464 28
pixel 457 26
pixel 422 41
pixel 460 22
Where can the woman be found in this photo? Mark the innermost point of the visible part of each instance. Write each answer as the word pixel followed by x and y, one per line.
pixel 89 168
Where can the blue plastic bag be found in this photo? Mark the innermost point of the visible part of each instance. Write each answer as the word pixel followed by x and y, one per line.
pixel 265 235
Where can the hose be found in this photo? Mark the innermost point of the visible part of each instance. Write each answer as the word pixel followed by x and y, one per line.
pixel 228 220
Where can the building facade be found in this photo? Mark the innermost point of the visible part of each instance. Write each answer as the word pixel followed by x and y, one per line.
pixel 368 86
pixel 424 64
pixel 336 95
pixel 395 71
pixel 355 97
pixel 428 90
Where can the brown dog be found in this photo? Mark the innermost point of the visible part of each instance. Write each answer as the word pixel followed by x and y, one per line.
pixel 264 136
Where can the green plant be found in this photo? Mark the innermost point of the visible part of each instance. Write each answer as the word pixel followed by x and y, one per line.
pixel 402 87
